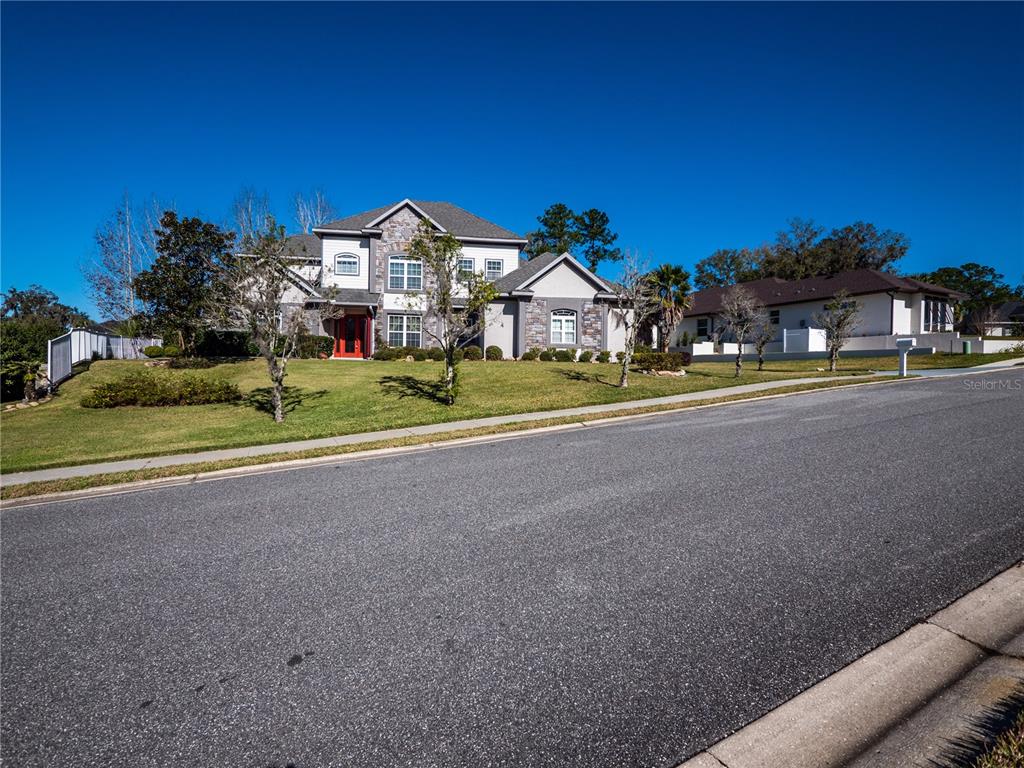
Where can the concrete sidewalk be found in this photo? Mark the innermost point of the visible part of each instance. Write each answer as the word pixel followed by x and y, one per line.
pixel 83 470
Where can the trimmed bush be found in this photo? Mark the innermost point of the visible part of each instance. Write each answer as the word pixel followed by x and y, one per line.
pixel 418 354
pixel 661 361
pixel 314 346
pixel 473 352
pixel 384 353
pixel 190 362
pixel 436 354
pixel 604 356
pixel 147 389
pixel 565 355
pixel 460 355
pixel 494 353
pixel 586 356
pixel 171 351
pixel 530 354
pixel 153 351
pixel 547 356
pixel 619 356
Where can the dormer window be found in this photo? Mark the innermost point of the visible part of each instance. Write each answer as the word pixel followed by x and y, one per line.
pixel 346 264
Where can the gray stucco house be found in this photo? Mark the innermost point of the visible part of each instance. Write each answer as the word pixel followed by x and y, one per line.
pixel 549 301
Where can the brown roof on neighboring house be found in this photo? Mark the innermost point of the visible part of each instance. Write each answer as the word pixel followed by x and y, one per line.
pixel 455 220
pixel 773 291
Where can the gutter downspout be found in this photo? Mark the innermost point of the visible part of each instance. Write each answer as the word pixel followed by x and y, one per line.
pixel 892 311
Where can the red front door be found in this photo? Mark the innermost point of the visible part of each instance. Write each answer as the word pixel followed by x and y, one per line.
pixel 348 336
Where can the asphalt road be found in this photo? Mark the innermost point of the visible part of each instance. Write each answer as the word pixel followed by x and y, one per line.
pixel 613 596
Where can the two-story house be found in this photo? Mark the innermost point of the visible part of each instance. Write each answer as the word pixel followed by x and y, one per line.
pixel 376 287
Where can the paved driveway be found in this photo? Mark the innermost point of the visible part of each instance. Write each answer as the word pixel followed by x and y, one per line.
pixel 623 595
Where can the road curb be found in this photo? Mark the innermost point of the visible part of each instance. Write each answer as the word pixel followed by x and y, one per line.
pixel 841 717
pixel 440 443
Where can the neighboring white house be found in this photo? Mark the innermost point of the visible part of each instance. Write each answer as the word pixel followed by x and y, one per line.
pixel 890 307
pixel 550 301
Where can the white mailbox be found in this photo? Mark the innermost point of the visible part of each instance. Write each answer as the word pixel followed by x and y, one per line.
pixel 903 346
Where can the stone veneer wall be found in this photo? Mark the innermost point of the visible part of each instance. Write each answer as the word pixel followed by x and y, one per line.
pixel 536 325
pixel 591 326
pixel 397 232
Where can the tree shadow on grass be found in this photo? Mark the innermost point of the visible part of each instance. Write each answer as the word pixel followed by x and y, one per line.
pixel 590 378
pixel 291 398
pixel 409 386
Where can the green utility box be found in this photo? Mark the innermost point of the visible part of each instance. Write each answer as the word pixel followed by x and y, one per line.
pixel 967 347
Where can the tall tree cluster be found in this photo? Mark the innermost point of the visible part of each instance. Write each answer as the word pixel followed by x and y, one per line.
pixel 985 288
pixel 804 249
pixel 587 235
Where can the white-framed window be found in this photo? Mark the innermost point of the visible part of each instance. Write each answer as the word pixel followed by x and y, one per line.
pixel 405 330
pixel 773 315
pixel 404 273
pixel 493 269
pixel 465 269
pixel 563 326
pixel 346 264
pixel 702 326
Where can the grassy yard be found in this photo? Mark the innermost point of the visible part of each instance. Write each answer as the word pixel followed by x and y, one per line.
pixel 338 397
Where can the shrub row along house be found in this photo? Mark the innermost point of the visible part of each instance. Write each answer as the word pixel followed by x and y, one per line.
pixel 890 307
pixel 361 266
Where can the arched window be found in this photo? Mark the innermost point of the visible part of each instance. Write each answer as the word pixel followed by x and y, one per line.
pixel 563 326
pixel 346 264
pixel 404 273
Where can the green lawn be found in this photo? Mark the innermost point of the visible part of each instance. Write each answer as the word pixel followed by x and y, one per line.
pixel 341 397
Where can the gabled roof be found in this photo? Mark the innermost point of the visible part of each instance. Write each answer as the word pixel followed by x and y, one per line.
pixel 519 280
pixel 447 217
pixel 1010 312
pixel 774 291
pixel 303 247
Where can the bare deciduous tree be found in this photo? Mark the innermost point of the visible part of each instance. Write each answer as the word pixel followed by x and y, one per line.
pixel 635 301
pixel 742 313
pixel 762 334
pixel 250 211
pixel 312 211
pixel 839 319
pixel 125 247
pixel 983 318
pixel 250 288
pixel 454 304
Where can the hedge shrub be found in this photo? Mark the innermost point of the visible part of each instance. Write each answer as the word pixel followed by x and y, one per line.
pixel 661 361
pixel 225 344
pixel 153 351
pixel 171 351
pixel 494 353
pixel 547 356
pixel 604 356
pixel 586 356
pixel 147 389
pixel 436 354
pixel 473 352
pixel 565 355
pixel 530 354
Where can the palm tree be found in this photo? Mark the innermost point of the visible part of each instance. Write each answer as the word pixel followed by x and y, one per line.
pixel 672 287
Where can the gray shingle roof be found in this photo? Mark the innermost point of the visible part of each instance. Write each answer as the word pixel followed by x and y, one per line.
pixel 455 220
pixel 773 291
pixel 303 247
pixel 352 296
pixel 515 278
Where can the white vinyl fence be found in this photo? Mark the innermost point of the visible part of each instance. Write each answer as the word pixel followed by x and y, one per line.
pixel 79 344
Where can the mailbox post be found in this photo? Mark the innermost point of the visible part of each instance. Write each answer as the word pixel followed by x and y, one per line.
pixel 903 346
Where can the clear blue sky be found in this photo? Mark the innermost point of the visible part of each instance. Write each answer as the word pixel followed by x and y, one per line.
pixel 694 126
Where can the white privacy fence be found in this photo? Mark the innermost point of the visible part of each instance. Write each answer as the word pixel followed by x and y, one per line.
pixel 77 345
